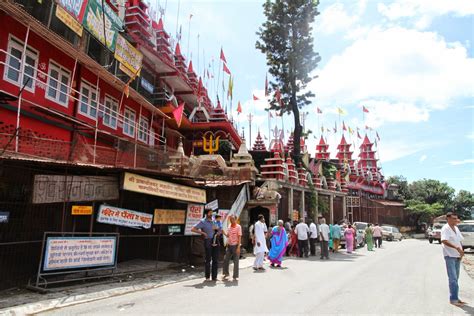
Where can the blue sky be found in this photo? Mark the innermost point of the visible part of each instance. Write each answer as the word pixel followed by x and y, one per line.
pixel 410 62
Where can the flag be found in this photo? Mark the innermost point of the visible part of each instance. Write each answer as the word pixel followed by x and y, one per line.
pixel 328 130
pixel 341 111
pixel 271 115
pixel 266 85
pixel 344 126
pixel 358 135
pixel 322 129
pixel 351 131
pixel 222 56
pixel 335 128
pixel 179 33
pixel 376 143
pixel 230 88
pixel 367 127
pixel 255 98
pixel 225 69
pixel 319 111
pixel 190 16
pixel 378 137
pixel 178 114
pixel 365 109
pixel 239 108
pixel 265 137
pixel 208 76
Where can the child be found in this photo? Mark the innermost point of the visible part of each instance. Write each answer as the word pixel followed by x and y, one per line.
pixel 217 226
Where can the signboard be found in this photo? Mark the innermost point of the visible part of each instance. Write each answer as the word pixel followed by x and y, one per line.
pixel 213 205
pixel 295 215
pixel 128 55
pixel 79 252
pixel 169 217
pixel 174 229
pixel 4 217
pixel 141 184
pixel 146 85
pixel 239 202
pixel 76 8
pixel 273 214
pixel 69 20
pixel 224 214
pixel 58 188
pixel 93 22
pixel 193 216
pixel 364 187
pixel 81 210
pixel 123 217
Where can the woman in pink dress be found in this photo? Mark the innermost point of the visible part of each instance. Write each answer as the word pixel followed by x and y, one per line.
pixel 349 235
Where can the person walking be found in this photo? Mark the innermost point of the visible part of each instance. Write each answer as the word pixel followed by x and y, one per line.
pixel 205 228
pixel 279 241
pixel 377 235
pixel 451 239
pixel 234 238
pixel 369 240
pixel 349 235
pixel 324 238
pixel 302 230
pixel 260 246
pixel 313 237
pixel 336 237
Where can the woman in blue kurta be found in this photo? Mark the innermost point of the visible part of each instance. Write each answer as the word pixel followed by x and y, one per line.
pixel 279 242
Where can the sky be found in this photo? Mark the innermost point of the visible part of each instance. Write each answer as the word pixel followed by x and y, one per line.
pixel 409 62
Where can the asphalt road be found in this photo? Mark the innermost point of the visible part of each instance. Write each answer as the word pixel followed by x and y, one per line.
pixel 405 277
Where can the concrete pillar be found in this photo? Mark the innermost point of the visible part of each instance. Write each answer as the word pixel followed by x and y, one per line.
pixel 302 202
pixel 331 208
pixel 290 203
pixel 344 206
pixel 316 211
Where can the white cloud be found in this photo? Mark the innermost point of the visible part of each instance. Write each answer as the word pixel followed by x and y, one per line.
pixel 422 12
pixel 335 18
pixel 461 162
pixel 403 73
pixel 422 158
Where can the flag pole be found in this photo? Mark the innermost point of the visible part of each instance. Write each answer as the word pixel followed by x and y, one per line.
pixel 177 19
pixel 189 35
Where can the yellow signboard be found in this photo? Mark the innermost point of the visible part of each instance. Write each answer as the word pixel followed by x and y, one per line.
pixel 141 184
pixel 81 210
pixel 169 217
pixel 69 20
pixel 128 55
pixel 295 215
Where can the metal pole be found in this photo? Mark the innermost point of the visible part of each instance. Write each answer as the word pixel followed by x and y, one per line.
pixel 22 71
pixel 97 117
pixel 137 126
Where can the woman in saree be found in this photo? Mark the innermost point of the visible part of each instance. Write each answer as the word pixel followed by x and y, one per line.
pixel 349 235
pixel 369 240
pixel 279 242
pixel 331 231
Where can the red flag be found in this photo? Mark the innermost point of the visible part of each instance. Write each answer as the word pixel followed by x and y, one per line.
pixel 266 85
pixel 378 137
pixel 344 126
pixel 239 108
pixel 255 98
pixel 319 111
pixel 365 109
pixel 226 70
pixel 222 56
pixel 178 114
pixel 358 135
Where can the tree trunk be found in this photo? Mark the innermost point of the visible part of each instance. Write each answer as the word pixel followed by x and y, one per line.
pixel 298 127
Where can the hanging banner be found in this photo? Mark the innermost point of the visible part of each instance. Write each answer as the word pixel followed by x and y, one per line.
pixel 273 214
pixel 93 22
pixel 76 8
pixel 141 184
pixel 360 186
pixel 224 214
pixel 239 202
pixel 128 55
pixel 123 217
pixel 213 205
pixel 193 216
pixel 69 20
pixel 169 217
pixel 81 210
pixel 79 252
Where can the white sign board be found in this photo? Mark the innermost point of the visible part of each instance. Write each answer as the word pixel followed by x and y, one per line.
pixel 123 217
pixel 213 205
pixel 193 216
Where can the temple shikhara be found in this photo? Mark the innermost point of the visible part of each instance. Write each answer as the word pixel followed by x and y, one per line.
pixel 94 124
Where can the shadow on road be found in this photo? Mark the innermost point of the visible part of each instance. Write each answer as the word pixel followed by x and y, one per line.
pixel 468 309
pixel 202 285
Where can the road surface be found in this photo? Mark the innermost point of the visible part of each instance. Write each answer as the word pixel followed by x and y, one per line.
pixel 405 277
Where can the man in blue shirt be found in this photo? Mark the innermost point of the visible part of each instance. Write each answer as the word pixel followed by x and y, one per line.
pixel 206 229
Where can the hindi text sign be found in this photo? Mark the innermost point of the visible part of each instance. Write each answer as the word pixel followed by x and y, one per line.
pixel 193 216
pixel 123 217
pixel 69 20
pixel 81 210
pixel 169 217
pixel 94 22
pixel 128 55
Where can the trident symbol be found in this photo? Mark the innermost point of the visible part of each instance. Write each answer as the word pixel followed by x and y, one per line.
pixel 210 146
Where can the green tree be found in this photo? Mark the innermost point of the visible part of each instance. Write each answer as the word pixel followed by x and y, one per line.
pixel 402 183
pixel 423 211
pixel 463 204
pixel 432 191
pixel 286 40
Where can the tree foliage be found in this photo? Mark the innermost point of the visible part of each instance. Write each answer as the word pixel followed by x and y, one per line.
pixel 432 191
pixel 402 183
pixel 463 204
pixel 286 40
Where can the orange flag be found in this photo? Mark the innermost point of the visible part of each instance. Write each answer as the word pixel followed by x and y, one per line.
pixel 226 70
pixel 239 108
pixel 222 56
pixel 178 114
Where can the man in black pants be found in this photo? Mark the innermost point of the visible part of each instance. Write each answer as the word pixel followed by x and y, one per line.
pixel 302 230
pixel 206 229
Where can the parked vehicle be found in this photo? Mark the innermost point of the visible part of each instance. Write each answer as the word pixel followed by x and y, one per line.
pixel 434 233
pixel 391 233
pixel 467 230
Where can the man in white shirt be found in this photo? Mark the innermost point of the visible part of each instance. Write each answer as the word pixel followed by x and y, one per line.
pixel 451 238
pixel 314 236
pixel 324 238
pixel 302 230
pixel 260 242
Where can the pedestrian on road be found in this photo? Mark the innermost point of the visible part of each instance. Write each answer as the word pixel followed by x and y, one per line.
pixel 288 225
pixel 377 236
pixel 324 238
pixel 294 250
pixel 205 228
pixel 451 238
pixel 349 235
pixel 336 237
pixel 302 230
pixel 260 246
pixel 313 238
pixel 234 238
pixel 369 240
pixel 279 242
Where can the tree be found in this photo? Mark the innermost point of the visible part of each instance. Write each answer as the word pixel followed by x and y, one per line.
pixel 402 183
pixel 423 211
pixel 463 204
pixel 432 191
pixel 287 42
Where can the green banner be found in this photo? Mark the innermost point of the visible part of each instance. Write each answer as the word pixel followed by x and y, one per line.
pixel 94 23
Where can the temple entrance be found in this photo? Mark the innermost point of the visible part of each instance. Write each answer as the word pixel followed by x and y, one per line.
pixel 254 212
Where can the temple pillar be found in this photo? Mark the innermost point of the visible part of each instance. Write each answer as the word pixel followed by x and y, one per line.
pixel 290 203
pixel 316 211
pixel 302 207
pixel 331 208
pixel 344 207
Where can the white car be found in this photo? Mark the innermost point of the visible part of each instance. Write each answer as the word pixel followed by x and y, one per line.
pixel 391 233
pixel 467 231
